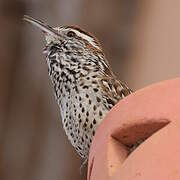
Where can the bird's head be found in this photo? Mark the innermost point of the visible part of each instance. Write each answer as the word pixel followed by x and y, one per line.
pixel 72 47
pixel 73 37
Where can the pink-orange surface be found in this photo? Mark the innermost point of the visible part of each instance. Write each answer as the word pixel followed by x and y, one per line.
pixel 152 113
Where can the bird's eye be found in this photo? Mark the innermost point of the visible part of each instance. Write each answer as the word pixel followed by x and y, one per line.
pixel 71 34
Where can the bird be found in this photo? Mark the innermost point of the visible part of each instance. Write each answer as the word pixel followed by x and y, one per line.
pixel 84 84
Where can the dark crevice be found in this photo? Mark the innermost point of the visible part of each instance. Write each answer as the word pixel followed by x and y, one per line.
pixel 134 135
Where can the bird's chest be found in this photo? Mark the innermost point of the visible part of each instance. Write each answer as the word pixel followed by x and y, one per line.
pixel 82 109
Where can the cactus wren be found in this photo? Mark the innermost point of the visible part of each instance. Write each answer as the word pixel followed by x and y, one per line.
pixel 85 87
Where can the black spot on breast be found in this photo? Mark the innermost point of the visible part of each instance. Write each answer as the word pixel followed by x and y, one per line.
pixel 69 90
pixel 63 74
pixel 91 126
pixel 76 89
pixel 58 78
pixel 98 99
pixel 85 87
pixel 61 66
pixel 79 148
pixel 94 82
pixel 74 60
pixel 94 107
pixel 90 101
pixel 110 101
pixel 68 53
pixel 71 71
pixel 100 113
pixel 86 68
pixel 94 121
pixel 95 89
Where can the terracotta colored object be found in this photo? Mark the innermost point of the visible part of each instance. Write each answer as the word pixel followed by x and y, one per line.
pixel 152 113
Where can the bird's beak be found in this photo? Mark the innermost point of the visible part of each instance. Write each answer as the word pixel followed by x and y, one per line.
pixel 41 25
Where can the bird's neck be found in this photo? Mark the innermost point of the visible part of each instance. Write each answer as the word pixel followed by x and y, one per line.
pixel 67 68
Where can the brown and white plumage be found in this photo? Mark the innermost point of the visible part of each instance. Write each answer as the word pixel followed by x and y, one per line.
pixel 84 85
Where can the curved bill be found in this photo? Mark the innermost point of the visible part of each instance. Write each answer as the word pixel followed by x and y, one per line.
pixel 41 25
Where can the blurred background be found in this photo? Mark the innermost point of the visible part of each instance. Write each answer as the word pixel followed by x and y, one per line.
pixel 140 39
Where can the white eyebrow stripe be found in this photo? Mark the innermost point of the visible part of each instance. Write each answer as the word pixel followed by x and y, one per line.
pixel 86 37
